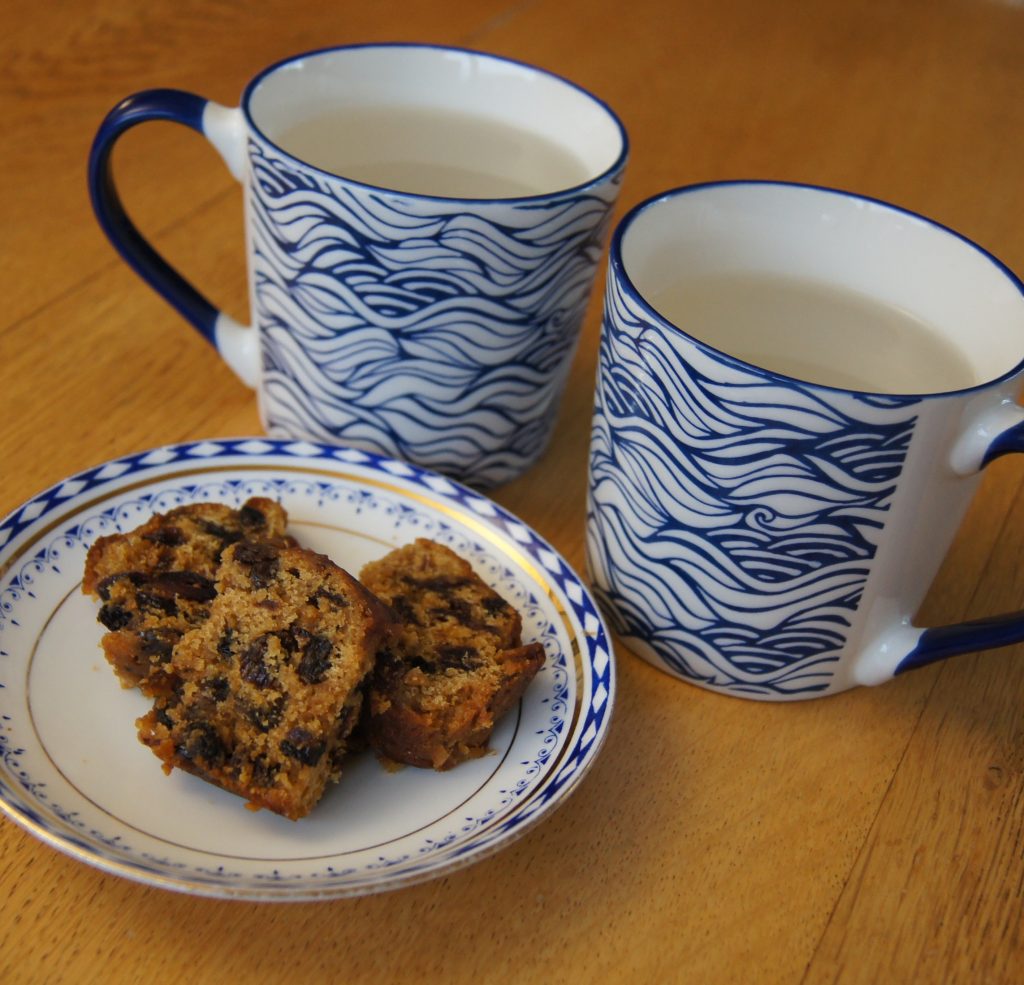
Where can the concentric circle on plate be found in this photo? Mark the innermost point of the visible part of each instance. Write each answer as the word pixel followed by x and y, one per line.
pixel 73 773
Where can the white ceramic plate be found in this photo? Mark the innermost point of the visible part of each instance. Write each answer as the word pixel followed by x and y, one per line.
pixel 73 773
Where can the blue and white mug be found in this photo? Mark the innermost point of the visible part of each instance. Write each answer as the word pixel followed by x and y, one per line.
pixel 423 227
pixel 796 391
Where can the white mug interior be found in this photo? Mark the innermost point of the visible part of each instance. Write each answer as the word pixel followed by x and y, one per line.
pixel 428 79
pixel 833 238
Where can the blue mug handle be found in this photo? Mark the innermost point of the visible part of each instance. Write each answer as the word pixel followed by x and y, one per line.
pixel 225 129
pixel 907 647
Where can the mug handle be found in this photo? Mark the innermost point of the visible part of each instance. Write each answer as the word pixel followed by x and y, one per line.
pixel 907 647
pixel 225 129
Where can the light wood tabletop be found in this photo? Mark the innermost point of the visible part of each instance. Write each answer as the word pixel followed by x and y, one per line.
pixel 874 836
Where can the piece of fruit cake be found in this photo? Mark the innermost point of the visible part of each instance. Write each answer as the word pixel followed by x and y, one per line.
pixel 267 689
pixel 454 664
pixel 156 582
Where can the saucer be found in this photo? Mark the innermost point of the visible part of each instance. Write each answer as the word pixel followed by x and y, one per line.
pixel 73 773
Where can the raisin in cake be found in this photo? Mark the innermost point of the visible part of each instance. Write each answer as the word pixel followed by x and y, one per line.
pixel 267 689
pixel 454 664
pixel 156 582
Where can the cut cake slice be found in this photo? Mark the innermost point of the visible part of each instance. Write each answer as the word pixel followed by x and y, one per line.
pixel 157 582
pixel 266 691
pixel 454 664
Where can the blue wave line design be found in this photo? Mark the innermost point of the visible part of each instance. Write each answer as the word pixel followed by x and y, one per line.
pixel 732 521
pixel 418 329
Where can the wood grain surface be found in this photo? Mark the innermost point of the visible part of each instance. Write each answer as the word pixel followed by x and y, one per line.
pixel 876 836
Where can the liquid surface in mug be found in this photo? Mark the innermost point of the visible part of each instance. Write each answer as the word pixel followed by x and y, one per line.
pixel 429 151
pixel 818 333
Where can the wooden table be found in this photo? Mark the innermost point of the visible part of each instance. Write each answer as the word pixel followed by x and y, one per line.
pixel 877 836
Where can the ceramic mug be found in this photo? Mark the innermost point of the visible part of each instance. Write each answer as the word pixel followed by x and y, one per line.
pixel 423 227
pixel 796 390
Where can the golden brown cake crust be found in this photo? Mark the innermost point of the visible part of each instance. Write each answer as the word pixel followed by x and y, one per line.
pixel 454 664
pixel 267 689
pixel 156 582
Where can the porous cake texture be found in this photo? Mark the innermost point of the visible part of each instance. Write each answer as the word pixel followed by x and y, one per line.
pixel 454 664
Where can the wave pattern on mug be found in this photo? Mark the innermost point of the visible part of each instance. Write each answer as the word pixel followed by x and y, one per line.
pixel 732 518
pixel 414 327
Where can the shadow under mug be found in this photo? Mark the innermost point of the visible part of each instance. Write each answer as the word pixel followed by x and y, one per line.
pixel 427 327
pixel 765 536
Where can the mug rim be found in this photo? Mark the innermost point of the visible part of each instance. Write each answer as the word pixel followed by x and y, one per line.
pixel 617 165
pixel 618 268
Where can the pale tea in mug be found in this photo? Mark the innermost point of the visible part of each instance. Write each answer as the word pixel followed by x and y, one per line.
pixel 429 151
pixel 815 331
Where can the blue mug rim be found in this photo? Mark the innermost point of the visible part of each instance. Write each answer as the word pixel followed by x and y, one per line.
pixel 617 165
pixel 618 269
